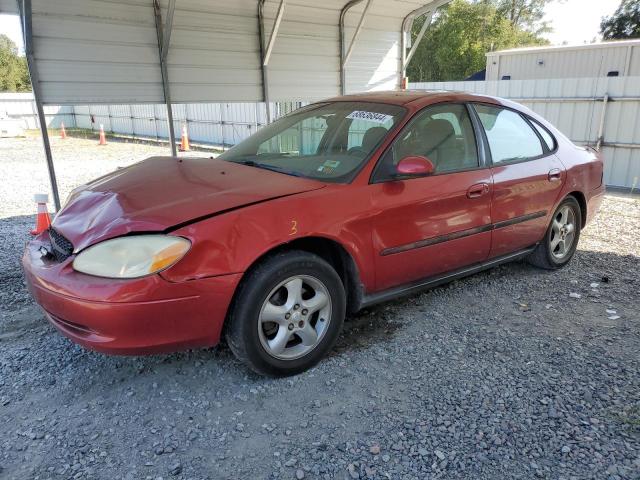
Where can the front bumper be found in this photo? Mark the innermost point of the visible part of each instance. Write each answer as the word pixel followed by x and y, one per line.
pixel 129 317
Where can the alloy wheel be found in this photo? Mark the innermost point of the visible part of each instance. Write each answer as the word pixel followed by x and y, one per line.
pixel 562 232
pixel 294 317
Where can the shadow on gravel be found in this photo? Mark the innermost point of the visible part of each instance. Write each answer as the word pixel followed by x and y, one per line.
pixel 368 327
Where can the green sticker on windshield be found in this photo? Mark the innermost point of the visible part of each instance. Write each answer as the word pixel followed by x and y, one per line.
pixel 328 167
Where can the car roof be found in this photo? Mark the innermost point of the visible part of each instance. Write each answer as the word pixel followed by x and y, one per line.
pixel 422 97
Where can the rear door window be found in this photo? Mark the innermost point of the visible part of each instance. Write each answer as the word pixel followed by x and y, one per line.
pixel 510 137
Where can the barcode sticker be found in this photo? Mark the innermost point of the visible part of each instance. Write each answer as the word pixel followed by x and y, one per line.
pixel 370 116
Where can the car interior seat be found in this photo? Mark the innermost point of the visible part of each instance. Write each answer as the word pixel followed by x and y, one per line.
pixel 371 138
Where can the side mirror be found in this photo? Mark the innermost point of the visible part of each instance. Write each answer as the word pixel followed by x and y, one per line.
pixel 414 166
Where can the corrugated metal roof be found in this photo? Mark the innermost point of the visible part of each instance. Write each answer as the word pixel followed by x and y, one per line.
pixel 92 51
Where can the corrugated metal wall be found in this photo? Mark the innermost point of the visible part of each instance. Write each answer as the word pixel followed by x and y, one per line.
pixel 305 64
pixel 376 57
pixel 562 62
pixel 214 53
pixel 574 106
pixel 21 107
pixel 95 51
pixel 305 59
pixel 220 124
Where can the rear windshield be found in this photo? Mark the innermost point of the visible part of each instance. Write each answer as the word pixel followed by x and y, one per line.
pixel 327 141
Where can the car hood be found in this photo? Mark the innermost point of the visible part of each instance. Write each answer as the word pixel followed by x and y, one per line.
pixel 161 192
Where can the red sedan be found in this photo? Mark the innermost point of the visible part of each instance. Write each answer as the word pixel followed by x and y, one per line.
pixel 337 206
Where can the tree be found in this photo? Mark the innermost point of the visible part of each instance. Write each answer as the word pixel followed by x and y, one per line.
pixel 525 14
pixel 624 23
pixel 455 45
pixel 14 75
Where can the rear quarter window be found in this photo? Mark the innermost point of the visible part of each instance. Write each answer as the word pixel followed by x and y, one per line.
pixel 549 140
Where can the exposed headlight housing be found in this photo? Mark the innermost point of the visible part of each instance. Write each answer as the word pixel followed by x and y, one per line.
pixel 131 257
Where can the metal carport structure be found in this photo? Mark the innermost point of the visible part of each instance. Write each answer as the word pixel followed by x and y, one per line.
pixel 170 51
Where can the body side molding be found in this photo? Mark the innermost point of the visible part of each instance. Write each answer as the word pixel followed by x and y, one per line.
pixel 430 282
pixel 462 233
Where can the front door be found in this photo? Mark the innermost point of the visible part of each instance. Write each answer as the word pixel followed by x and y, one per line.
pixel 430 225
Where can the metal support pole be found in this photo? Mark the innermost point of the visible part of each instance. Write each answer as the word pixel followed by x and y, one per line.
pixel 164 37
pixel 343 14
pixel 265 51
pixel 407 23
pixel 627 62
pixel 263 67
pixel 416 42
pixel 356 33
pixel 168 28
pixel 603 115
pixel 24 7
pixel 274 34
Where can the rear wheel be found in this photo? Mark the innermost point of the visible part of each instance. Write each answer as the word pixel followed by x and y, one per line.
pixel 561 240
pixel 287 314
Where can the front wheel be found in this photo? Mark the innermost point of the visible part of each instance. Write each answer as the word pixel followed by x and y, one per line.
pixel 287 314
pixel 561 240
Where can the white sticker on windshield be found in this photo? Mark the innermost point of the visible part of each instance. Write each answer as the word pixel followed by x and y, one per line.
pixel 370 116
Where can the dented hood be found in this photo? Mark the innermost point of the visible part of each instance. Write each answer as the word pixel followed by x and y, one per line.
pixel 161 192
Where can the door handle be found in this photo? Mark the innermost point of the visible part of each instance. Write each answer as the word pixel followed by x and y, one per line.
pixel 477 190
pixel 555 174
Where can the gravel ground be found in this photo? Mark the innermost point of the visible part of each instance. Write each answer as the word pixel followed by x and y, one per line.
pixel 76 160
pixel 514 373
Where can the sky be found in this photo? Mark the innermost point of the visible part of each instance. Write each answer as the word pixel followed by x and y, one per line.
pixel 573 21
pixel 577 21
pixel 10 26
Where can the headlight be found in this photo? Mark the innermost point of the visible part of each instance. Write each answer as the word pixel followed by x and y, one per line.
pixel 131 257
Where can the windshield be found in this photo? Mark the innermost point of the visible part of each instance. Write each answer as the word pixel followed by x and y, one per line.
pixel 327 141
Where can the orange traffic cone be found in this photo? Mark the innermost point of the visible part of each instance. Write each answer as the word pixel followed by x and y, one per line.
pixel 63 132
pixel 103 138
pixel 184 141
pixel 42 220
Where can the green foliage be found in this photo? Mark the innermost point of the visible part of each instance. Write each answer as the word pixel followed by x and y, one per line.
pixel 525 14
pixel 455 45
pixel 14 75
pixel 624 23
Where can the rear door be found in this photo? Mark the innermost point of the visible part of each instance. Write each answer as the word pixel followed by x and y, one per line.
pixel 425 226
pixel 527 177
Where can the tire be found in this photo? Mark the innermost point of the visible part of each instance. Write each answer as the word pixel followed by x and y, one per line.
pixel 548 254
pixel 276 307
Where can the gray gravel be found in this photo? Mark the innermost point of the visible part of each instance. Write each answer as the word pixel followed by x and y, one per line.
pixel 503 375
pixel 76 160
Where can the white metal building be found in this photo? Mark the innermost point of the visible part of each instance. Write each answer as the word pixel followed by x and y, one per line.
pixel 613 59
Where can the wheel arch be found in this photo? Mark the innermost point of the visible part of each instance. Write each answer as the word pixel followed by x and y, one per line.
pixel 582 201
pixel 334 253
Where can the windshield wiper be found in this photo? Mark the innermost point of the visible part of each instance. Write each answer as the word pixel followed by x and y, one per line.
pixel 265 166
